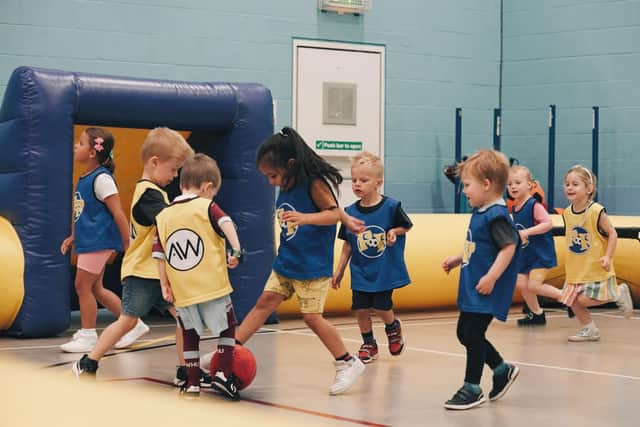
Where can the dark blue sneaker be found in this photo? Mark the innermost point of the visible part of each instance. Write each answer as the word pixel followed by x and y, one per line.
pixel 465 399
pixel 501 383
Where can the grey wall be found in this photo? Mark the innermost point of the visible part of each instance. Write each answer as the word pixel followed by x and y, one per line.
pixel 575 54
pixel 440 55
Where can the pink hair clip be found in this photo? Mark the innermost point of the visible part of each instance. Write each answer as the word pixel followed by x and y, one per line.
pixel 97 144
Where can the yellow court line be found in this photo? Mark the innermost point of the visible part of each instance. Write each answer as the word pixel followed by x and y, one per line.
pixel 152 342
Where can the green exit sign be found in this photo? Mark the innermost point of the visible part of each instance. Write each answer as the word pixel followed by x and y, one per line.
pixel 339 145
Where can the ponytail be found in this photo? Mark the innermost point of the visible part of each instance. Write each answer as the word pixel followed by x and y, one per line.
pixel 287 150
pixel 102 142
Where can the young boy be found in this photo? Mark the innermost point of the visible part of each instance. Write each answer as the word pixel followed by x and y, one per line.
pixel 488 275
pixel 377 255
pixel 196 279
pixel 163 152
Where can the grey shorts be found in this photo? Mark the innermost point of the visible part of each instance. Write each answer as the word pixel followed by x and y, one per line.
pixel 212 314
pixel 140 295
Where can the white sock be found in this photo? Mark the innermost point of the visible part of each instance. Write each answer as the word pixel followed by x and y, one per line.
pixel 591 326
pixel 538 313
pixel 88 331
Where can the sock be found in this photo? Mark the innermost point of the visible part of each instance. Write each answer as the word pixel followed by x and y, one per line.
pixel 501 369
pixel 391 325
pixel 225 349
pixel 88 331
pixel 539 313
pixel 368 338
pixel 192 356
pixel 474 388
pixel 345 357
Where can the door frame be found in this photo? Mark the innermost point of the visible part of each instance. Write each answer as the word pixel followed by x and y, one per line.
pixel 341 46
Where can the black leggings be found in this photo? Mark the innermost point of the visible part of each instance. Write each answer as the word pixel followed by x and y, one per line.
pixel 471 334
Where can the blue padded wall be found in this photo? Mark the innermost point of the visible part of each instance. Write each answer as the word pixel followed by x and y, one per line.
pixel 36 131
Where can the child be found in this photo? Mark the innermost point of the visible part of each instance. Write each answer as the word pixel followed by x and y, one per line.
pixel 100 228
pixel 163 152
pixel 488 275
pixel 537 253
pixel 197 281
pixel 590 278
pixel 307 211
pixel 377 264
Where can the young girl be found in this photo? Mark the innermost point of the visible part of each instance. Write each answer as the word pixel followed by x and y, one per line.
pixel 100 228
pixel 307 211
pixel 590 278
pixel 537 253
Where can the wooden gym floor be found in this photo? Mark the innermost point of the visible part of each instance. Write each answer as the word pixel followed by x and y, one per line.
pixel 560 383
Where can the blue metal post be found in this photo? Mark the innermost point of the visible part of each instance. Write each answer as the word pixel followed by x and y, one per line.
pixel 595 130
pixel 552 156
pixel 497 124
pixel 458 156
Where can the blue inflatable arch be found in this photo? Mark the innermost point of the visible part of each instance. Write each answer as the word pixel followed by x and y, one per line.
pixel 228 121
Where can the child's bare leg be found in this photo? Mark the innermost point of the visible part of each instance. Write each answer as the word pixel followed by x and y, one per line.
pixel 580 308
pixel 179 337
pixel 254 320
pixel 106 297
pixel 327 333
pixel 522 283
pixel 387 316
pixel 88 307
pixel 112 334
pixel 364 320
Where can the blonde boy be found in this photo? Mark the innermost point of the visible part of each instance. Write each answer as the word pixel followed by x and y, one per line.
pixel 163 153
pixel 488 275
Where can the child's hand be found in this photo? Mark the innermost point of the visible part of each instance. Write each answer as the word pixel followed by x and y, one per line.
pixel 167 294
pixel 391 237
pixel 336 279
pixel 66 244
pixel 605 262
pixel 485 285
pixel 232 261
pixel 524 236
pixel 450 263
pixel 353 224
pixel 293 217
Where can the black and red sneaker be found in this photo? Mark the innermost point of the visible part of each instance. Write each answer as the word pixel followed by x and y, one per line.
pixel 368 352
pixel 396 342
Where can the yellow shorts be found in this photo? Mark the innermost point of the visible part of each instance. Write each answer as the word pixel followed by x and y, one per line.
pixel 312 293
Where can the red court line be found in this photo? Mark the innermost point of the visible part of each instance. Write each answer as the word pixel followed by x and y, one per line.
pixel 273 405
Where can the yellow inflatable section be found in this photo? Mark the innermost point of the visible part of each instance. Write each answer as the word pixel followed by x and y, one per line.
pixel 12 268
pixel 436 236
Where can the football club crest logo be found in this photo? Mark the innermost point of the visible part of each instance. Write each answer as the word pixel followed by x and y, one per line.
pixel 184 249
pixel 372 241
pixel 469 249
pixel 78 206
pixel 287 230
pixel 579 240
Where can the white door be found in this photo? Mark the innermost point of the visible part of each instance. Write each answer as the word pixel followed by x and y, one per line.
pixel 338 101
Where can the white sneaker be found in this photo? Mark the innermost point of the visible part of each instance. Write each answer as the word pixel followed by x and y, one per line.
pixel 82 341
pixel 624 301
pixel 130 337
pixel 346 375
pixel 585 334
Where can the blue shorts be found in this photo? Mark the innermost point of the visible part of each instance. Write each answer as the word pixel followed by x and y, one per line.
pixel 140 295
pixel 377 300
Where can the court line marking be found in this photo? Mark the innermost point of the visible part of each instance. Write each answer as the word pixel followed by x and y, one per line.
pixel 262 402
pixel 460 355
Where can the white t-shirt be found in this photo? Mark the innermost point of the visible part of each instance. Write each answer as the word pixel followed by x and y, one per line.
pixel 104 186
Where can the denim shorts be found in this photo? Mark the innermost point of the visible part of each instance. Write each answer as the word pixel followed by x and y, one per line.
pixel 140 295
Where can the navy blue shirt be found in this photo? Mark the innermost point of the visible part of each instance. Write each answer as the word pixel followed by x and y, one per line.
pixel 375 266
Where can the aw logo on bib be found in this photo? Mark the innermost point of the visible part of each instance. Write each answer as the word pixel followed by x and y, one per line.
pixel 287 230
pixel 372 241
pixel 579 240
pixel 184 249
